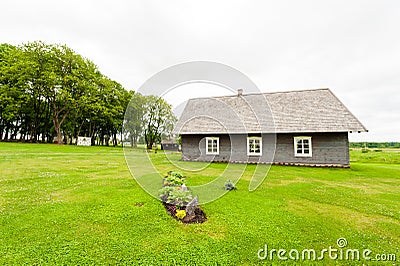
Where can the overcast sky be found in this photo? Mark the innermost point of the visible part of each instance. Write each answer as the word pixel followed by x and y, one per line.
pixel 351 47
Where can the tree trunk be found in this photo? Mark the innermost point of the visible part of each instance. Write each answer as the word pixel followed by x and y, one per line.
pixel 150 144
pixel 6 134
pixel 57 123
pixel 57 127
pixel 59 136
pixel 115 141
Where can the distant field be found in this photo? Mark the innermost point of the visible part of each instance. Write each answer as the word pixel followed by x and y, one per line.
pixel 80 205
pixel 375 155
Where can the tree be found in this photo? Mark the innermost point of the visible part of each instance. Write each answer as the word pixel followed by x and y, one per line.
pixel 71 74
pixel 124 98
pixel 158 119
pixel 133 123
pixel 12 96
pixel 35 72
pixel 49 90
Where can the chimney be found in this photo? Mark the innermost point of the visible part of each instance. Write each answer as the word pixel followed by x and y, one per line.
pixel 240 92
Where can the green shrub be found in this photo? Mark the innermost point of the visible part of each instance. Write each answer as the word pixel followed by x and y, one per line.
pixel 229 185
pixel 173 179
pixel 173 191
pixel 179 197
pixel 165 192
pixel 176 174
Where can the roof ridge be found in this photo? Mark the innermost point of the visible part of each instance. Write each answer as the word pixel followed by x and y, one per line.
pixel 260 93
pixel 302 90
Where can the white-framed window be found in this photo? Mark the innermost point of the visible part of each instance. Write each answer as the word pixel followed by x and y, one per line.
pixel 254 146
pixel 302 147
pixel 212 145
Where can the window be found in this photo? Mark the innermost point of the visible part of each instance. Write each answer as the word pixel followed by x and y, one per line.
pixel 212 145
pixel 254 146
pixel 302 147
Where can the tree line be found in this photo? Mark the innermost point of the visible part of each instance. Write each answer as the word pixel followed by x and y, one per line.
pixel 49 93
pixel 372 145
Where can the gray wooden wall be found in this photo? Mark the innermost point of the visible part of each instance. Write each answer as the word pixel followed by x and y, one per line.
pixel 327 148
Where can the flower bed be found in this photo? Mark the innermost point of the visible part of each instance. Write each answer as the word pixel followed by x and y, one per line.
pixel 179 201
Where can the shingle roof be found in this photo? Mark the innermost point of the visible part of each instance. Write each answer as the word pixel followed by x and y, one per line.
pixel 281 112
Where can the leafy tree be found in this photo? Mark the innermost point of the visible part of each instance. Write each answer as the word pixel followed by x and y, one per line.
pixel 133 124
pixel 50 90
pixel 114 99
pixel 74 76
pixel 158 119
pixel 34 71
pixel 12 97
pixel 124 98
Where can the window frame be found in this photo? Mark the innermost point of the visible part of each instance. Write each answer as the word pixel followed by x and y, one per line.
pixel 249 153
pixel 302 138
pixel 212 140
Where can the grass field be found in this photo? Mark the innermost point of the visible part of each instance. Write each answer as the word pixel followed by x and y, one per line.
pixel 80 205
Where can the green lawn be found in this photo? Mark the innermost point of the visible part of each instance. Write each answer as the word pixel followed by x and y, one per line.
pixel 80 205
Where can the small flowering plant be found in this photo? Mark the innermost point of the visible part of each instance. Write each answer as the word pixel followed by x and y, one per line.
pixel 180 214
